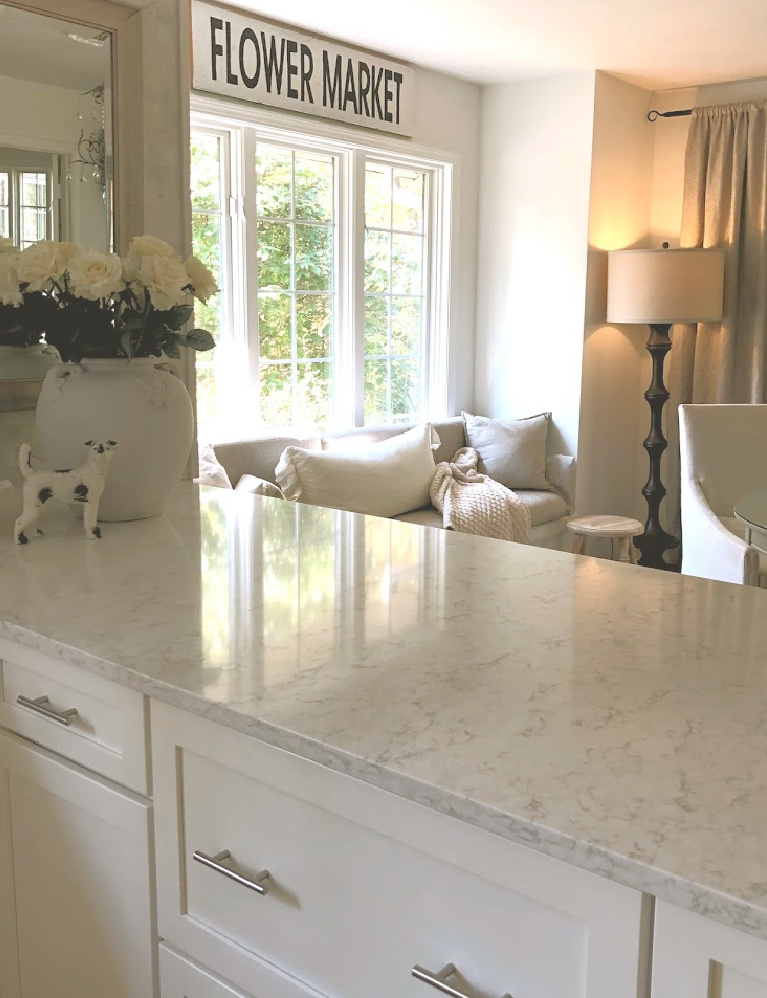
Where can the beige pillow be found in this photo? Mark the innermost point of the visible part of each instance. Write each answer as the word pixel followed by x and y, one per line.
pixel 258 487
pixel 385 479
pixel 511 451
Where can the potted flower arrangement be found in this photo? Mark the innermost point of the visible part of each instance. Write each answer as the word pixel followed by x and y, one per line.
pixel 112 320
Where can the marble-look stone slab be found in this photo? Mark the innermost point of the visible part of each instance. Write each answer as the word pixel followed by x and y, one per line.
pixel 610 716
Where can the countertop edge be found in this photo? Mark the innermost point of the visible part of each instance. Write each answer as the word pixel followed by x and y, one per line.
pixel 662 884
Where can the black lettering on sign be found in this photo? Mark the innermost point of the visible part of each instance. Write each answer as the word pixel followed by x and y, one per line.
pixel 388 95
pixel 249 35
pixel 350 94
pixel 398 81
pixel 363 86
pixel 230 77
pixel 273 68
pixel 292 68
pixel 307 65
pixel 216 24
pixel 331 87
pixel 375 101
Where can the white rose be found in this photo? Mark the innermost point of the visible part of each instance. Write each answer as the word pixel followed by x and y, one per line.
pixel 142 247
pixel 39 264
pixel 95 275
pixel 66 252
pixel 6 245
pixel 10 293
pixel 200 277
pixel 166 280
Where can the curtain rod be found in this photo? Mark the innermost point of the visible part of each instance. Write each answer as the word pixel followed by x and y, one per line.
pixel 652 115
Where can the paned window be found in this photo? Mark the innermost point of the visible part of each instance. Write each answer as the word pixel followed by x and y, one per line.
pixel 330 257
pixel 5 205
pixel 296 235
pixel 25 205
pixel 395 291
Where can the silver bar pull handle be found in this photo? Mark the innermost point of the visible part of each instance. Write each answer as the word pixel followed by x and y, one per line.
pixel 259 884
pixel 42 705
pixel 438 980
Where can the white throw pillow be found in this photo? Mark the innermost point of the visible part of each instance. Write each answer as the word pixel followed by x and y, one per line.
pixel 385 479
pixel 511 451
pixel 258 487
pixel 212 472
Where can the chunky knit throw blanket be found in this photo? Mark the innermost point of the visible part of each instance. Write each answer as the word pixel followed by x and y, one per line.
pixel 475 504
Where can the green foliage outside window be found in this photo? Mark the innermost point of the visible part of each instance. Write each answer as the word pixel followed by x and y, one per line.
pixel 296 277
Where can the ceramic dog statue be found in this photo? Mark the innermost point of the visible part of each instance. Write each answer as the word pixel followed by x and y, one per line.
pixel 82 485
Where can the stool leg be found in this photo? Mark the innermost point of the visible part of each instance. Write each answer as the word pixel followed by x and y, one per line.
pixel 624 548
pixel 578 542
pixel 632 553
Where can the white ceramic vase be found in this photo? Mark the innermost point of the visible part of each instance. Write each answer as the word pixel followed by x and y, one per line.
pixel 145 410
pixel 27 363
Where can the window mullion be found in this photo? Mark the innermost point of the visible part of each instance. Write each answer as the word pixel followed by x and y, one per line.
pixel 293 295
pixel 245 253
pixel 355 243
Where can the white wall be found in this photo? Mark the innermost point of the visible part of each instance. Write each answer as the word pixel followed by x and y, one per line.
pixel 611 463
pixel 447 116
pixel 535 179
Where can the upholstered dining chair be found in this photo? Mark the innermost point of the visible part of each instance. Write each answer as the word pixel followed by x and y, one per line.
pixel 723 450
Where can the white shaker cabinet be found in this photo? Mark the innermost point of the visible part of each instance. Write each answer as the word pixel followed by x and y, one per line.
pixel 75 889
pixel 289 879
pixel 695 957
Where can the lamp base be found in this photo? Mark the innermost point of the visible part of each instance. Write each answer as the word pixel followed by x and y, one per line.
pixel 654 540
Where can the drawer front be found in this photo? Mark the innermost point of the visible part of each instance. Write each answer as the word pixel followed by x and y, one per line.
pixel 364 886
pixel 181 977
pixel 108 732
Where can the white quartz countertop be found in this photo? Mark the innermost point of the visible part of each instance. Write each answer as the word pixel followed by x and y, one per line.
pixel 609 716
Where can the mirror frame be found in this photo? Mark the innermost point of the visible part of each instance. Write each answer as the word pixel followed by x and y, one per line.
pixel 150 78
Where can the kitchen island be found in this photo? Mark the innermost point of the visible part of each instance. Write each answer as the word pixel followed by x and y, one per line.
pixel 604 716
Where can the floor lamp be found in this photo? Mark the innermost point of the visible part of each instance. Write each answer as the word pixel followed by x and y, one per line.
pixel 660 287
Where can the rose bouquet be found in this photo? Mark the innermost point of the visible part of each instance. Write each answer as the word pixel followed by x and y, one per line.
pixel 94 304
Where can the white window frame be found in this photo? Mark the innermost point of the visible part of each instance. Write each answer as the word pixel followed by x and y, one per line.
pixel 237 120
pixel 15 168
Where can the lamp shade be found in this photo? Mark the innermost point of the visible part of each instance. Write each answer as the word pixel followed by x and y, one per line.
pixel 665 286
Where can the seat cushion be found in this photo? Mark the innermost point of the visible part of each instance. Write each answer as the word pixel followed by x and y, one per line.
pixel 427 516
pixel 388 478
pixel 544 508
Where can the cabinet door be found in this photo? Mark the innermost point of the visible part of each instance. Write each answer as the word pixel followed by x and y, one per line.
pixel 75 910
pixel 694 957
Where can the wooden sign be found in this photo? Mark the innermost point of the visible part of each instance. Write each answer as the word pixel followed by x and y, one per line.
pixel 238 55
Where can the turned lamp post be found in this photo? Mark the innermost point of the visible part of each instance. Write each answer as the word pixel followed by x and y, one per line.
pixel 660 287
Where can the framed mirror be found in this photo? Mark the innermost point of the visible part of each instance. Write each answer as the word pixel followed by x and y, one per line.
pixel 148 65
pixel 56 154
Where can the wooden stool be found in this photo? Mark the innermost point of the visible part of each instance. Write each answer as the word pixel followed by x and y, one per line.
pixel 622 527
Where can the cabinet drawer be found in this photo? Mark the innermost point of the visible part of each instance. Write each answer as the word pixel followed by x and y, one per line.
pixel 181 977
pixel 365 885
pixel 108 732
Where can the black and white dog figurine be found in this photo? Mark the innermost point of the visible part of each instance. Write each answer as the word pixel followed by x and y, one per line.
pixel 76 485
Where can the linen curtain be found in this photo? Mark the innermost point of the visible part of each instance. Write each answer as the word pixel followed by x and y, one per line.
pixel 725 204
